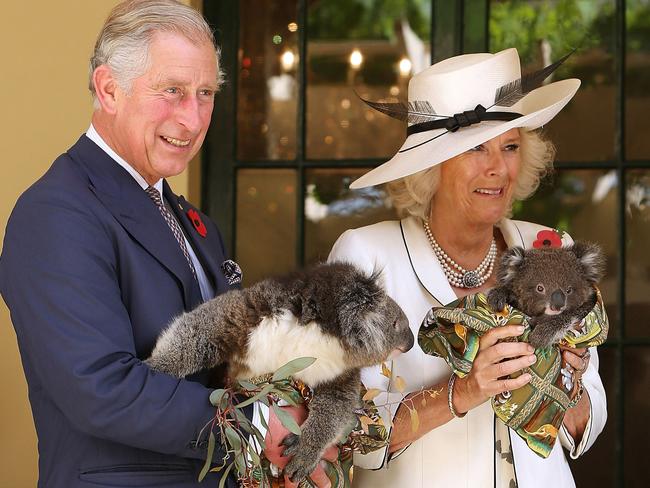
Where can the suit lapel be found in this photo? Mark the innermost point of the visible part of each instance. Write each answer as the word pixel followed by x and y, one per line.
pixel 204 247
pixel 136 212
pixel 424 262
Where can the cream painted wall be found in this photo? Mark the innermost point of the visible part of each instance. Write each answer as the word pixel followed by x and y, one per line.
pixel 45 107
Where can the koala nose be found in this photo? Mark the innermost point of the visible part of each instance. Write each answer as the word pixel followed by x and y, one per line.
pixel 409 338
pixel 557 299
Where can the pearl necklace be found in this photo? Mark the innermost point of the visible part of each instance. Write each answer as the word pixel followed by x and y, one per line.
pixel 457 275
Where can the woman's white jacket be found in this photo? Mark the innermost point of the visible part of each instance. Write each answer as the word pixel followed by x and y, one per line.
pixel 460 453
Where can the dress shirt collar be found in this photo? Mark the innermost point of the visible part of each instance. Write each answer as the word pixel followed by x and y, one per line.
pixel 94 136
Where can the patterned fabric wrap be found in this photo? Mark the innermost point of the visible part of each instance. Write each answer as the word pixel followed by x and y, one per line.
pixel 536 410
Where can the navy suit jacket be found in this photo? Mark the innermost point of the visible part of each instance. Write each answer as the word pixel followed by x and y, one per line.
pixel 92 274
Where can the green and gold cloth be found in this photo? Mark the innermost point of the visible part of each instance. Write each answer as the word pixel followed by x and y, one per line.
pixel 536 410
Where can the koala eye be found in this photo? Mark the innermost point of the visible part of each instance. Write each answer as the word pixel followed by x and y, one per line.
pixel 540 288
pixel 569 290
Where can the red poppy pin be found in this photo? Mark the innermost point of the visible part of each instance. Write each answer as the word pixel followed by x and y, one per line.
pixel 548 238
pixel 198 224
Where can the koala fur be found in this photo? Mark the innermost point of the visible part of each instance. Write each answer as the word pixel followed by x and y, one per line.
pixel 332 312
pixel 553 286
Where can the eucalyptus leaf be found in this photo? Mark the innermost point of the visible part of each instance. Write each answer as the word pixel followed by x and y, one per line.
pixel 292 367
pixel 208 458
pixel 286 397
pixel 224 476
pixel 247 385
pixel 233 438
pixel 286 419
pixel 255 397
pixel 217 396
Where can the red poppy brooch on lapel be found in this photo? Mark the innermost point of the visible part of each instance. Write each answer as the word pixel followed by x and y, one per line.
pixel 198 224
pixel 548 238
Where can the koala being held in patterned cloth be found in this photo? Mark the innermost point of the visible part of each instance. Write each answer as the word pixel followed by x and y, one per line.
pixel 332 312
pixel 552 285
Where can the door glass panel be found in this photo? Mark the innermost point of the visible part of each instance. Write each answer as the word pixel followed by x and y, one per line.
pixel 637 273
pixel 266 222
pixel 267 80
pixel 331 208
pixel 637 79
pixel 584 204
pixel 545 31
pixel 637 406
pixel 360 47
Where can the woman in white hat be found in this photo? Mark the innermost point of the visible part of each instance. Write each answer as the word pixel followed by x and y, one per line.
pixel 471 151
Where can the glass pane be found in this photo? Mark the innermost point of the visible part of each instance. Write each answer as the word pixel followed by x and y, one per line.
pixel 331 208
pixel 637 79
pixel 637 406
pixel 266 222
pixel 267 89
pixel 637 272
pixel 583 203
pixel 545 31
pixel 359 46
pixel 597 467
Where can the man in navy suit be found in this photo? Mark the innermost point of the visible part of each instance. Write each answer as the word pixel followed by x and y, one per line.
pixel 99 255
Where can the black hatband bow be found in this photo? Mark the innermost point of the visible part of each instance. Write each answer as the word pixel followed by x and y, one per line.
pixel 463 119
pixel 422 116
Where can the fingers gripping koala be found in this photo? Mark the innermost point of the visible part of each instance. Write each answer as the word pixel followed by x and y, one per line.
pixel 553 286
pixel 332 312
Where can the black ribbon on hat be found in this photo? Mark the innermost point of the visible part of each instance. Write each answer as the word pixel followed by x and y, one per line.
pixel 462 119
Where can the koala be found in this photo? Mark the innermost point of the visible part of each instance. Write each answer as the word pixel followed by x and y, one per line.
pixel 332 312
pixel 553 286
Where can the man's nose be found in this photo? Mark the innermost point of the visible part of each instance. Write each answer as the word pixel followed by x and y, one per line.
pixel 189 114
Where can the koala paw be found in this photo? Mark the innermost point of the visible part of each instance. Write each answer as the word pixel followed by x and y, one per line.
pixel 496 301
pixel 538 339
pixel 304 459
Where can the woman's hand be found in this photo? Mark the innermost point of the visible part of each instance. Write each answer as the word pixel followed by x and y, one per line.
pixel 273 452
pixel 575 363
pixel 493 363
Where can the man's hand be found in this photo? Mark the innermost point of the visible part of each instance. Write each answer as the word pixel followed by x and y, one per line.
pixel 274 448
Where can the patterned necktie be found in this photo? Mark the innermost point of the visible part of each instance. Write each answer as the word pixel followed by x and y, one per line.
pixel 173 225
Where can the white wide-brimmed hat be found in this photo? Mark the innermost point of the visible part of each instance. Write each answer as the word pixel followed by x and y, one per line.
pixel 461 102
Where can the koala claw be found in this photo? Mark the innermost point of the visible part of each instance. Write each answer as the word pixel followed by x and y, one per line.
pixel 291 442
pixel 300 466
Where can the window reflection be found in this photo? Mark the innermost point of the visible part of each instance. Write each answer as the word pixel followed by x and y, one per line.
pixel 266 222
pixel 331 208
pixel 637 273
pixel 583 203
pixel 543 32
pixel 361 47
pixel 267 89
pixel 637 79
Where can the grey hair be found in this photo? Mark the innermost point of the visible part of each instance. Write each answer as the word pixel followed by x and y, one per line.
pixel 412 195
pixel 123 43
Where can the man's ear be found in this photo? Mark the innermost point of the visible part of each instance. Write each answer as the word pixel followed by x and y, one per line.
pixel 106 88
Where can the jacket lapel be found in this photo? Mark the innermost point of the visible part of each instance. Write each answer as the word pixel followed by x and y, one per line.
pixel 424 262
pixel 138 215
pixel 203 246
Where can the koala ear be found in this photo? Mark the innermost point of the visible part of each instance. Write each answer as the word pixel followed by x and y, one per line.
pixel 592 260
pixel 510 263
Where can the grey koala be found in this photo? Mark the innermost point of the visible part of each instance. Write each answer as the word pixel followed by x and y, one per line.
pixel 553 286
pixel 332 312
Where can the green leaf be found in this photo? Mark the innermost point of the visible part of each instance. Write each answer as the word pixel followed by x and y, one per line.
pixel 233 439
pixel 255 397
pixel 208 458
pixel 292 367
pixel 286 419
pixel 247 385
pixel 224 476
pixel 287 397
pixel 217 396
